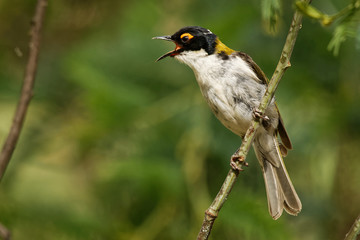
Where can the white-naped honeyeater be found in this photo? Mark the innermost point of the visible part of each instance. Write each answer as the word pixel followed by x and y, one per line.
pixel 233 86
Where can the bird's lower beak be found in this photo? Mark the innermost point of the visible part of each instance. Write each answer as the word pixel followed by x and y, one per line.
pixel 177 50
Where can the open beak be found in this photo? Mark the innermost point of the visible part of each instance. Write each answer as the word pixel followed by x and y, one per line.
pixel 177 50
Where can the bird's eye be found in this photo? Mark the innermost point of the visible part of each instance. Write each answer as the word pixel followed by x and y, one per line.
pixel 185 37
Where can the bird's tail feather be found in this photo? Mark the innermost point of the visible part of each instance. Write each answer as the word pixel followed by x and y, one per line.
pixel 279 189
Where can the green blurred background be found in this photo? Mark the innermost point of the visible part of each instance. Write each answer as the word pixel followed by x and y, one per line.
pixel 116 146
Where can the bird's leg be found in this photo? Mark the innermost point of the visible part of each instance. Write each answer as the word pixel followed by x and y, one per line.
pixel 237 161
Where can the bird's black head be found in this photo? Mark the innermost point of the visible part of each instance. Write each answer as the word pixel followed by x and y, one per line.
pixel 191 39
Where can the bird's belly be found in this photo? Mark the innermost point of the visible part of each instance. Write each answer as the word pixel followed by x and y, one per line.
pixel 230 90
pixel 232 113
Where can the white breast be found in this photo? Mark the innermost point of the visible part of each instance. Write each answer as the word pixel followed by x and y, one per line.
pixel 229 87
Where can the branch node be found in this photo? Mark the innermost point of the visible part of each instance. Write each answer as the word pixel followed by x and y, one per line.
pixel 211 214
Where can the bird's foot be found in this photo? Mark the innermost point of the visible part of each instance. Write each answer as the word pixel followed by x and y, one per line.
pixel 257 114
pixel 236 162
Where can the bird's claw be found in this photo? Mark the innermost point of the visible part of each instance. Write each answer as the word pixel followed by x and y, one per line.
pixel 236 162
pixel 257 114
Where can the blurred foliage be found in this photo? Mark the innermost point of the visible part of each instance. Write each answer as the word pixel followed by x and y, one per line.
pixel 116 146
pixel 271 10
pixel 348 26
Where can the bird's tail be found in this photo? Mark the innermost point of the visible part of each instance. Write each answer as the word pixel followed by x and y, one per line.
pixel 279 189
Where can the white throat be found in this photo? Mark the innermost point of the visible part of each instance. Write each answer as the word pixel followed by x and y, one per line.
pixel 194 59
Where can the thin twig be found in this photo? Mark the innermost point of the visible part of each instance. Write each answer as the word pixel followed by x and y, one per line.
pixel 4 233
pixel 212 212
pixel 27 88
pixel 354 231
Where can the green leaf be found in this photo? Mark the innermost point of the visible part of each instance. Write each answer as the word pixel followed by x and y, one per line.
pixel 271 11
pixel 349 27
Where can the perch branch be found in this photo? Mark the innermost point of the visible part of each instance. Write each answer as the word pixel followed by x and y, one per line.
pixel 212 212
pixel 354 230
pixel 27 88
pixel 4 233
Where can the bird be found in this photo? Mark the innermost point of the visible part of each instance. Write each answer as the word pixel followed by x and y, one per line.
pixel 233 86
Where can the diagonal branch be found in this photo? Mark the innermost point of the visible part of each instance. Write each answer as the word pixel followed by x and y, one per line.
pixel 354 230
pixel 27 88
pixel 4 233
pixel 212 212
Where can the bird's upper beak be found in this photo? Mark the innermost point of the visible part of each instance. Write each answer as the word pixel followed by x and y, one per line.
pixel 178 49
pixel 166 38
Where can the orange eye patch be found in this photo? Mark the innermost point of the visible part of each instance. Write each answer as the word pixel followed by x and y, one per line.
pixel 186 37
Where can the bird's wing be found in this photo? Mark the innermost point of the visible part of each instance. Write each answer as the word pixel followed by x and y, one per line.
pixel 262 77
pixel 259 73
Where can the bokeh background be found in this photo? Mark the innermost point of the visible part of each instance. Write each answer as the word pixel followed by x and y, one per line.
pixel 116 146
